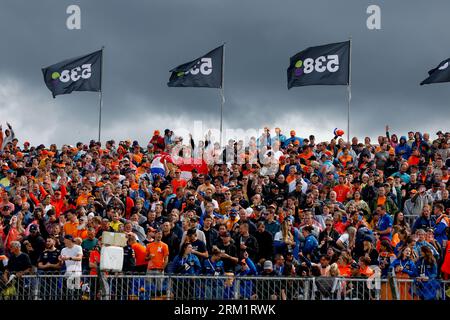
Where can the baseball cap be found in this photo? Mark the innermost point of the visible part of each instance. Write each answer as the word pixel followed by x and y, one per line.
pixel 34 228
pixel 68 237
pixel 268 265
pixel 218 215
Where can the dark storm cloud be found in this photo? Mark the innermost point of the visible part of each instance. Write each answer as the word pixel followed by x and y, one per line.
pixel 145 39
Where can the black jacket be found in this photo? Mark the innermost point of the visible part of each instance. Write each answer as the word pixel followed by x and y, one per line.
pixel 252 246
pixel 265 244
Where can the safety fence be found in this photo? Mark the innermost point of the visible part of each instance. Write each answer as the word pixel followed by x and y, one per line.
pixel 177 287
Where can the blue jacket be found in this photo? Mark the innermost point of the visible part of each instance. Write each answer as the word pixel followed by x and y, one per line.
pixel 403 147
pixel 424 223
pixel 440 231
pixel 408 266
pixel 292 140
pixel 427 290
pixel 430 271
pixel 281 138
pixel 424 243
pixel 250 271
pixel 190 265
pixel 310 245
pixel 213 268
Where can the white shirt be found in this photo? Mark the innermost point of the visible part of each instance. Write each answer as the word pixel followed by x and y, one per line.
pixel 345 239
pixel 72 266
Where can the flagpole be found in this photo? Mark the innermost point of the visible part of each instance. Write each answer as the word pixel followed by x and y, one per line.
pixel 349 90
pixel 222 96
pixel 101 100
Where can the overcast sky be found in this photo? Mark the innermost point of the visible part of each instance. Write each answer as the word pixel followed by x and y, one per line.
pixel 144 39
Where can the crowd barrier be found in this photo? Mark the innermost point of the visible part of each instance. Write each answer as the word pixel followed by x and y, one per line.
pixel 178 287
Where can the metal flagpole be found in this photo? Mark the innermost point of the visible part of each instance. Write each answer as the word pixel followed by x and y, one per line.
pixel 222 95
pixel 101 100
pixel 349 90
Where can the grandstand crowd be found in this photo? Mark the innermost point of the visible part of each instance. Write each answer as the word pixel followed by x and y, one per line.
pixel 281 205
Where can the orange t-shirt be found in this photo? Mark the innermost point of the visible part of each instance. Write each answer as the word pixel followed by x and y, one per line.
pixel 344 270
pixel 82 233
pixel 94 256
pixel 395 240
pixel 71 228
pixel 178 183
pixel 82 200
pixel 381 201
pixel 367 271
pixel 345 159
pixel 341 192
pixel 137 157
pixel 140 252
pixel 159 250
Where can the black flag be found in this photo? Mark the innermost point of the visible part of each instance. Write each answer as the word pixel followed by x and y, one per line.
pixel 77 74
pixel 439 74
pixel 323 65
pixel 205 71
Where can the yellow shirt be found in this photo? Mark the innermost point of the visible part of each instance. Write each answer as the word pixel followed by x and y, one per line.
pixel 115 225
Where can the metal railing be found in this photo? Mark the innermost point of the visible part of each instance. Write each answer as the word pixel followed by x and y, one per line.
pixel 177 287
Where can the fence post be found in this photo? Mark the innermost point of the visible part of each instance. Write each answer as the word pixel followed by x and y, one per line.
pixel 306 287
pixel 237 289
pixel 169 288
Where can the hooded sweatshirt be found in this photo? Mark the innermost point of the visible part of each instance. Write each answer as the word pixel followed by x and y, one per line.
pixel 403 148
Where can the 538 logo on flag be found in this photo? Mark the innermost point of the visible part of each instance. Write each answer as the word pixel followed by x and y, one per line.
pixel 321 65
pixel 205 71
pixel 75 74
pixel 205 67
pixel 329 63
pixel 78 74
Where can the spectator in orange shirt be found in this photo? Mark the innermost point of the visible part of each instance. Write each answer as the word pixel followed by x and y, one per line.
pixel 140 252
pixel 82 199
pixel 178 181
pixel 364 268
pixel 71 226
pixel 342 189
pixel 344 262
pixel 157 255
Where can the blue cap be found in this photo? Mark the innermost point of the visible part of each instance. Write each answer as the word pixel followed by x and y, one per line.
pixel 218 215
